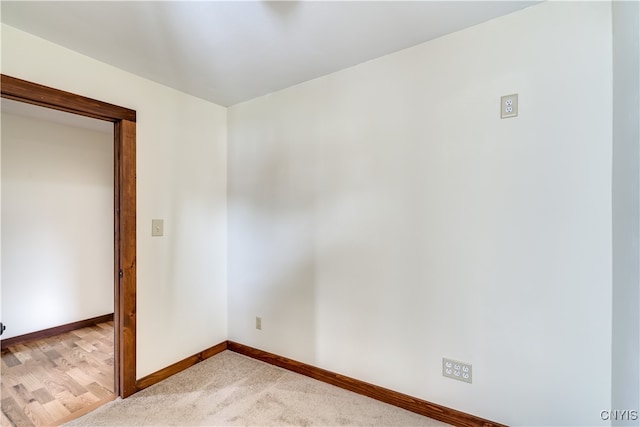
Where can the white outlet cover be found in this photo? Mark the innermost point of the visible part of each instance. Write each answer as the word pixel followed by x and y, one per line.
pixel 457 370
pixel 509 106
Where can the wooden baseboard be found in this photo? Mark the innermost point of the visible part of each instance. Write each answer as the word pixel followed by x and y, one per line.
pixel 165 373
pixel 46 333
pixel 404 401
pixel 395 398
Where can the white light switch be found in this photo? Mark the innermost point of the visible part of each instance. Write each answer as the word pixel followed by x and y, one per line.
pixel 157 227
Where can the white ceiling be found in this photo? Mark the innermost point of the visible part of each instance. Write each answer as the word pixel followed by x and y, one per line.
pixel 231 51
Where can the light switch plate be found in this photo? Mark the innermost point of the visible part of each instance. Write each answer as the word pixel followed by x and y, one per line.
pixel 157 227
pixel 509 106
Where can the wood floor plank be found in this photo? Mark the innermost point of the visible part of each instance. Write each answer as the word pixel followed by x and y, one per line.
pixel 53 354
pixel 57 378
pixel 25 397
pixel 10 359
pixel 106 342
pixel 107 327
pixel 62 364
pixel 104 380
pixel 68 343
pixel 79 376
pixel 22 353
pixel 101 351
pixel 80 332
pixel 9 379
pixel 3 365
pixel 20 347
pixel 93 336
pixel 56 382
pixel 56 409
pixel 38 357
pixel 10 392
pixel 85 346
pixel 77 356
pixel 4 421
pixel 71 402
pixel 42 395
pixel 15 413
pixel 99 391
pixel 88 398
pixel 75 388
pixel 53 387
pixel 16 371
pixel 38 414
pixel 30 382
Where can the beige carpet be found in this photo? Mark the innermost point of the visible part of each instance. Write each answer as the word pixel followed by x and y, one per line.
pixel 230 390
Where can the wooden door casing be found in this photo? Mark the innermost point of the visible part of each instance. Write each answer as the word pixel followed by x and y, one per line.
pixel 124 120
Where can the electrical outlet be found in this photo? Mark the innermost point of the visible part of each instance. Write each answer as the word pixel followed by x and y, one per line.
pixel 509 106
pixel 457 370
pixel 259 323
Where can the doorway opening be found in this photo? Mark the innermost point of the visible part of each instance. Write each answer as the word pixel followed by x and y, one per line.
pixel 57 258
pixel 124 161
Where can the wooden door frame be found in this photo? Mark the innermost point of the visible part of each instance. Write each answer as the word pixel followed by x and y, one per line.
pixel 124 161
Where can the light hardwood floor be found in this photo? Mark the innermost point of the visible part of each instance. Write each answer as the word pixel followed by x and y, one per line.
pixel 53 380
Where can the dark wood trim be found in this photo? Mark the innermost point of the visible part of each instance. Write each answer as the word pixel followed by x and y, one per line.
pixel 43 96
pixel 124 120
pixel 382 394
pixel 165 373
pixel 57 330
pixel 126 172
pixel 117 322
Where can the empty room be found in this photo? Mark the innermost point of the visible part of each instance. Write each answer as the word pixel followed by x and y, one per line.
pixel 322 213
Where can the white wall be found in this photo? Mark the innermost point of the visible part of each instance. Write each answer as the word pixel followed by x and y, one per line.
pixel 626 209
pixel 384 216
pixel 181 177
pixel 57 218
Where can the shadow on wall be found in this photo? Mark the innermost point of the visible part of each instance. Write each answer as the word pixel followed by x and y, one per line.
pixel 272 251
pixel 320 243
